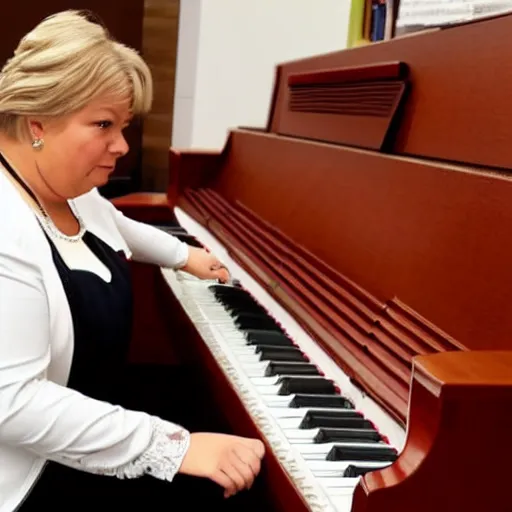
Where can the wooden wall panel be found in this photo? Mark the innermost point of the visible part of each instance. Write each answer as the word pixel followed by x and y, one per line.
pixel 160 40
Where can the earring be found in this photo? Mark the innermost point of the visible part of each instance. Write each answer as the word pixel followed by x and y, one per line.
pixel 38 144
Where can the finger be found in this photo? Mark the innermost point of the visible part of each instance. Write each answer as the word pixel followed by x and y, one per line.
pixel 255 445
pixel 243 467
pixel 222 275
pixel 230 467
pixel 224 480
pixel 250 460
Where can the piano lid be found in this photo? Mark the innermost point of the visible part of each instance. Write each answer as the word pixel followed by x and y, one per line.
pixel 457 109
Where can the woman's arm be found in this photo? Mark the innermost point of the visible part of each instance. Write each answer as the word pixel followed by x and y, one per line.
pixel 56 422
pixel 147 243
pixel 152 245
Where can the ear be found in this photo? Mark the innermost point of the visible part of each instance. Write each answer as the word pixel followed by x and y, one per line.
pixel 35 127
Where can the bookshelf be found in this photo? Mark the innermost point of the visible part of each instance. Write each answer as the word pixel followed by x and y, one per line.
pixel 377 20
pixel 371 21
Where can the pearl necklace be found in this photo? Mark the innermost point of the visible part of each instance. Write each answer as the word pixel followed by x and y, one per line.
pixel 41 214
pixel 54 231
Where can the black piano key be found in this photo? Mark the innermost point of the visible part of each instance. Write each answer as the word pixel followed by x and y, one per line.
pixel 353 471
pixel 267 337
pixel 230 293
pixel 347 435
pixel 291 385
pixel 238 303
pixel 256 321
pixel 328 419
pixel 333 401
pixel 172 227
pixel 189 240
pixel 286 368
pixel 271 353
pixel 239 309
pixel 362 453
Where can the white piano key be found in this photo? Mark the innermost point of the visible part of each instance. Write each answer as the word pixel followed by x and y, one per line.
pixel 339 483
pixel 338 466
pixel 342 503
pixel 287 423
pixel 246 356
pixel 265 381
pixel 287 412
pixel 300 412
pixel 300 435
pixel 278 400
pixel 341 465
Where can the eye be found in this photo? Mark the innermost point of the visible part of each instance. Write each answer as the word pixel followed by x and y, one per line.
pixel 104 124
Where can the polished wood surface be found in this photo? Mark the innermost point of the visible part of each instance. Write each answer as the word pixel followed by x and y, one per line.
pixel 423 244
pixel 356 106
pixel 455 458
pixel 457 108
pixel 150 207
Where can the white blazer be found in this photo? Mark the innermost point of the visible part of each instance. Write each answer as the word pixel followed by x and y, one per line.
pixel 40 418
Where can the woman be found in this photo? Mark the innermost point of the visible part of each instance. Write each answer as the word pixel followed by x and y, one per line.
pixel 65 97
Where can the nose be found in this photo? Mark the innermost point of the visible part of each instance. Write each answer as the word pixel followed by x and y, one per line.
pixel 118 146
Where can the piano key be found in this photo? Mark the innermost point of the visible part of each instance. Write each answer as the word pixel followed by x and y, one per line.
pixel 247 320
pixel 319 435
pixel 257 368
pixel 332 401
pixel 285 353
pixel 306 385
pixel 339 483
pixel 366 453
pixel 346 435
pixel 264 337
pixel 338 467
pixel 341 451
pixel 244 307
pixel 319 418
pixel 353 471
pixel 342 503
pixel 288 412
pixel 290 368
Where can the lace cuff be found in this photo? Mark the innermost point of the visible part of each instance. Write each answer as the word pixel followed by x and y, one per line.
pixel 161 459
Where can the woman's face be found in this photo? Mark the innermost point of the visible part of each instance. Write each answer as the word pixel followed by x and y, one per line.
pixel 80 151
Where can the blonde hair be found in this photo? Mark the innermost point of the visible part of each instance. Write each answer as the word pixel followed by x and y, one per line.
pixel 61 65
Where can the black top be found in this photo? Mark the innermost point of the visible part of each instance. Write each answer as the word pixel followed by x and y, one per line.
pixel 102 321
pixel 101 312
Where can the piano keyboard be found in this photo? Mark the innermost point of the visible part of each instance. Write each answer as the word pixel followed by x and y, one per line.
pixel 324 431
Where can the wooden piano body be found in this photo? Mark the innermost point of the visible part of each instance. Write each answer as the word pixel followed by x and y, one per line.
pixel 377 208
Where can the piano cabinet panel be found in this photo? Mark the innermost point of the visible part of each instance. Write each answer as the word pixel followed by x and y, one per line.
pixel 154 339
pixel 192 169
pixel 152 208
pixel 457 109
pixel 457 453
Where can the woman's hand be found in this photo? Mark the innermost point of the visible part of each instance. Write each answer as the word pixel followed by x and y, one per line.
pixel 205 265
pixel 232 462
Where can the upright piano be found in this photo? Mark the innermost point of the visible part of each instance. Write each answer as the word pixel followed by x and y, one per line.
pixel 366 334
